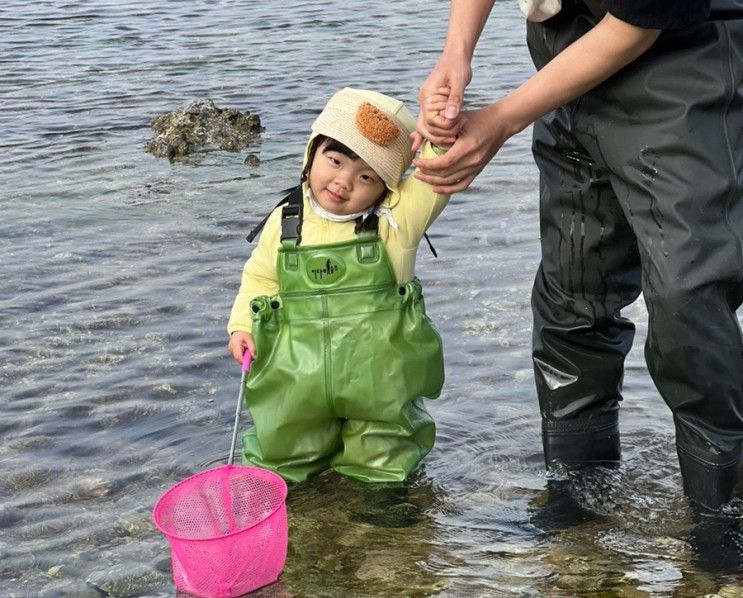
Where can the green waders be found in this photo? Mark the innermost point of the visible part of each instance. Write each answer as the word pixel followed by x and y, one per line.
pixel 345 355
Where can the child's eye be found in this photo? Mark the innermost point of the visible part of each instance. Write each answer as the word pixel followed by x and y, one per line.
pixel 368 179
pixel 333 160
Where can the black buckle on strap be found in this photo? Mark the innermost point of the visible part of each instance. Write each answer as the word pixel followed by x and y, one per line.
pixel 291 222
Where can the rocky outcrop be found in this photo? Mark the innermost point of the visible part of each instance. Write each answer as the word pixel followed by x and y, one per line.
pixel 201 125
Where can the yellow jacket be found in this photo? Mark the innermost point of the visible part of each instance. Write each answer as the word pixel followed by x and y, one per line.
pixel 413 206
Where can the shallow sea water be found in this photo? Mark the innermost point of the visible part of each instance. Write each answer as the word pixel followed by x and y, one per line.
pixel 119 270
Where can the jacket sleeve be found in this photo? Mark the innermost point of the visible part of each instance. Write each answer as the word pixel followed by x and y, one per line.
pixel 418 205
pixel 259 274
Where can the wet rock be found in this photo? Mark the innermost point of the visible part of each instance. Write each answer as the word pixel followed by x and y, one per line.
pixel 378 568
pixel 164 565
pixel 137 523
pixel 91 488
pixel 9 516
pixel 76 588
pixel 202 125
pixel 125 580
pixel 729 591
pixel 47 528
pixel 29 479
pixel 13 565
pixel 252 160
pixel 55 570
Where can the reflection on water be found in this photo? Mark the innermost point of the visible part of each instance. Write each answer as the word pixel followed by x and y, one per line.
pixel 119 270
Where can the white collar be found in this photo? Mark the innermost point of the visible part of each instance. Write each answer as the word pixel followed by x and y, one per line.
pixel 379 210
pixel 323 213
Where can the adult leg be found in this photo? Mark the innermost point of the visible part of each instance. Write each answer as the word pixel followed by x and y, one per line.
pixel 588 273
pixel 671 127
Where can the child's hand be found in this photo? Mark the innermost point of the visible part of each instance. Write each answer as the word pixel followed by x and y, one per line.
pixel 440 130
pixel 239 343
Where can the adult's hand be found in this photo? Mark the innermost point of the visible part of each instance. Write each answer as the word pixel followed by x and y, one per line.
pixel 590 60
pixel 450 76
pixel 481 135
pixel 466 21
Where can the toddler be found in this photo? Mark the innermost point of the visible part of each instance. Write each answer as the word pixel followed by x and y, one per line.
pixel 330 308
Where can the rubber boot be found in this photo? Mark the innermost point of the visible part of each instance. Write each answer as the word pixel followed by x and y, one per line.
pixel 581 446
pixel 708 486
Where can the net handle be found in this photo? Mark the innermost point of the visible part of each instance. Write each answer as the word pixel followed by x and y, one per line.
pixel 247 358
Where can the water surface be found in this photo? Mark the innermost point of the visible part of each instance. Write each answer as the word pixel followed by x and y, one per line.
pixel 119 270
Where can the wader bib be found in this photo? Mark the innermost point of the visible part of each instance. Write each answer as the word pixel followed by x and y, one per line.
pixel 345 356
pixel 641 190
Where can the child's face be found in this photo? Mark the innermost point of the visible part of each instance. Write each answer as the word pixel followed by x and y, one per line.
pixel 343 185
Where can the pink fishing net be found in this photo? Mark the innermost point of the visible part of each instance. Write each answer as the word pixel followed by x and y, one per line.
pixel 227 530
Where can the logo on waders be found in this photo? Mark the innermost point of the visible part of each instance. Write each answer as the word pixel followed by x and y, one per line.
pixel 325 269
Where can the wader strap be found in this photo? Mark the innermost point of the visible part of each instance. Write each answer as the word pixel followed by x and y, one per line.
pixel 294 196
pixel 369 224
pixel 291 220
pixel 291 223
pixel 430 245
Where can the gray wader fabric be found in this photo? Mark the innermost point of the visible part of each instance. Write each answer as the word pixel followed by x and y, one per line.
pixel 641 191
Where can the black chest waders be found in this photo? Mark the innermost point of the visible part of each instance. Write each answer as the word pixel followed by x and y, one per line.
pixel 345 356
pixel 641 191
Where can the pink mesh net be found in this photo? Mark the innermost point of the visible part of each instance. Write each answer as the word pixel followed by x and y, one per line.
pixel 227 530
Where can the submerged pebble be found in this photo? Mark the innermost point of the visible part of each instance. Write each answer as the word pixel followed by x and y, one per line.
pixel 30 479
pixel 91 488
pixel 125 580
pixel 76 588
pixel 9 516
pixel 137 523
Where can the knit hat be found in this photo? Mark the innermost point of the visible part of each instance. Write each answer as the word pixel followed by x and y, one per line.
pixel 374 126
